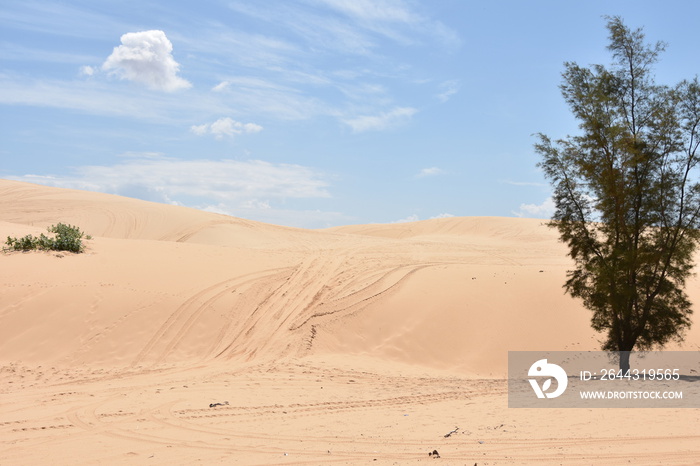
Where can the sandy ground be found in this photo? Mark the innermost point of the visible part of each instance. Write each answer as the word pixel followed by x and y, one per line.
pixel 353 345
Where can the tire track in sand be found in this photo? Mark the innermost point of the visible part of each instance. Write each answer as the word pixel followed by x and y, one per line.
pixel 176 326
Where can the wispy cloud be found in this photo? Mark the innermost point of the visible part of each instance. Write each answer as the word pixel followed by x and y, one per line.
pixel 95 96
pixel 226 127
pixel 431 171
pixel 281 68
pixel 410 218
pixel 350 26
pixel 382 121
pixel 394 19
pixel 291 49
pixel 543 210
pixel 166 179
pixel 254 189
pixel 90 98
pixel 146 57
pixel 87 70
pixel 257 95
pixel 374 10
pixel 60 18
pixel 10 51
pixel 312 26
pixel 416 218
pixel 447 90
pixel 221 86
pixel 444 215
pixel 226 45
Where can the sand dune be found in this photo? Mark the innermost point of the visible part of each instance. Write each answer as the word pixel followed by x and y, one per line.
pixel 342 345
pixel 156 279
pixel 109 216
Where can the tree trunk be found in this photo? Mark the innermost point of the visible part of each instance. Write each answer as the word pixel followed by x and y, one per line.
pixel 625 361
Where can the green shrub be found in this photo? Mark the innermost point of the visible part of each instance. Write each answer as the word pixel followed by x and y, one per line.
pixel 22 244
pixel 67 238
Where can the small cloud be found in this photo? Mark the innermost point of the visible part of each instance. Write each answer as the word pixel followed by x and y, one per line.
pixel 381 121
pixel 199 130
pixel 544 210
pixel 255 204
pixel 416 218
pixel 221 86
pixel 447 90
pixel 410 218
pixel 146 57
pixel 432 171
pixel 445 215
pixel 225 127
pixel 87 71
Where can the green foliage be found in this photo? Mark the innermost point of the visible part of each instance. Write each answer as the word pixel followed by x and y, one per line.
pixel 626 196
pixel 67 238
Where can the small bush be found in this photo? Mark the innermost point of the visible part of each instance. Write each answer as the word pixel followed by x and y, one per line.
pixel 67 238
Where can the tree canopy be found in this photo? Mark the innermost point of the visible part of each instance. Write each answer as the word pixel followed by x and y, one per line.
pixel 626 195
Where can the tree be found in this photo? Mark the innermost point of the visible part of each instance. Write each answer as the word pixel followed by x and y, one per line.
pixel 626 196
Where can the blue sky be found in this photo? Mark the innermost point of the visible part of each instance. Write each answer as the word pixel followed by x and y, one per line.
pixel 308 113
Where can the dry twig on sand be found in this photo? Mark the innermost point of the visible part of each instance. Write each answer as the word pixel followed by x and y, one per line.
pixel 452 432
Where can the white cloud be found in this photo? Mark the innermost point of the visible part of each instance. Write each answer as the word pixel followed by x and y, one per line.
pixel 229 127
pixel 381 121
pixel 432 171
pixel 251 189
pixel 225 127
pixel 146 57
pixel 543 210
pixel 87 70
pixel 268 192
pixel 162 179
pixel 447 90
pixel 255 204
pixel 445 215
pixel 200 130
pixel 221 86
pixel 288 48
pixel 410 218
pixel 416 218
